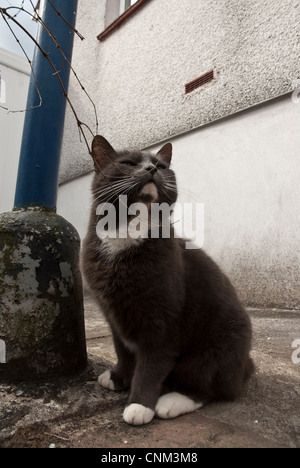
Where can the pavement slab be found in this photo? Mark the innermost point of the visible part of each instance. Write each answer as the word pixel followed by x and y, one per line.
pixel 77 413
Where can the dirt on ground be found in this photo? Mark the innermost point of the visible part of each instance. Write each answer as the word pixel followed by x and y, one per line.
pixel 77 413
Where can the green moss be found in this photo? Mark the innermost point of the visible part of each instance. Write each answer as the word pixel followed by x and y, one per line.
pixel 9 269
pixel 41 305
pixel 32 327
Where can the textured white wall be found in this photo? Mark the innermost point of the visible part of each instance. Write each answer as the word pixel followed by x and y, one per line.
pixel 74 202
pixel 87 62
pixel 137 75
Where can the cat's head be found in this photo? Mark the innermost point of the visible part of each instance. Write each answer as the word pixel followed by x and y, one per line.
pixel 141 176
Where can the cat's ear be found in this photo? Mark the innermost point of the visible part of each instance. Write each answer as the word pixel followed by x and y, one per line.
pixel 165 154
pixel 102 152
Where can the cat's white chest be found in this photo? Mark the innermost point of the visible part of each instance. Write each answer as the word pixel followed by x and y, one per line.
pixel 112 247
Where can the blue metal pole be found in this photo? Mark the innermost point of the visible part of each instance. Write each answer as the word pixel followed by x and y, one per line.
pixel 43 128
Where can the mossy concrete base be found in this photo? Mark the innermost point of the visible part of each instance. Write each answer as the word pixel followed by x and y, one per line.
pixel 41 300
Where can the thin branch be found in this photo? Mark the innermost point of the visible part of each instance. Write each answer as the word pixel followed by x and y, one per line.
pixel 39 18
pixel 57 437
pixel 81 125
pixel 7 16
pixel 30 63
pixel 66 21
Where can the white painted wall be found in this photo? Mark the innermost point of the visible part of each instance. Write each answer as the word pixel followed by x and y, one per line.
pixel 246 171
pixel 15 75
pixel 74 201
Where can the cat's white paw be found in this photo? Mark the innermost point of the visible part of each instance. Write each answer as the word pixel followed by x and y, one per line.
pixel 174 404
pixel 105 381
pixel 137 415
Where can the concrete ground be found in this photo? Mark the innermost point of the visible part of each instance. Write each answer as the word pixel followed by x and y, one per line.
pixel 78 413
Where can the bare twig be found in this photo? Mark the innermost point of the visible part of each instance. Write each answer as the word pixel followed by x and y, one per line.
pixel 57 437
pixel 67 22
pixel 7 16
pixel 66 59
pixel 81 125
pixel 30 63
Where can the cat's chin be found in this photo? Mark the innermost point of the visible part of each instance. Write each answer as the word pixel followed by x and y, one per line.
pixel 150 190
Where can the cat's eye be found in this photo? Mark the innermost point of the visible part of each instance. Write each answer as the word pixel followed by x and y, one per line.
pixel 129 163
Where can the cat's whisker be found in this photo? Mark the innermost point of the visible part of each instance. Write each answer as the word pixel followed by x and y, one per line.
pixel 116 188
pixel 171 188
pixel 111 185
pixel 113 195
pixel 179 188
pixel 183 191
pixel 166 194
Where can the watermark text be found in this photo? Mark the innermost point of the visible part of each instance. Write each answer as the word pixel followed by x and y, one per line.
pixel 296 353
pixel 137 221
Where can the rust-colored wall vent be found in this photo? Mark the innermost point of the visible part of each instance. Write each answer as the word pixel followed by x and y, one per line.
pixel 198 82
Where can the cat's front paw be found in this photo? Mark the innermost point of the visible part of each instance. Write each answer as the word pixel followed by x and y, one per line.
pixel 137 415
pixel 175 404
pixel 106 381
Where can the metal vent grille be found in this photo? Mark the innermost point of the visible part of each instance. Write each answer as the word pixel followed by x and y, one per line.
pixel 198 82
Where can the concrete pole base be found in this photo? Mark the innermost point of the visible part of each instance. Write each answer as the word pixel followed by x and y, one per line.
pixel 41 300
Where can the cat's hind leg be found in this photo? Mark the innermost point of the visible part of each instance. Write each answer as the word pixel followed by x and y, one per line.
pixel 114 380
pixel 172 405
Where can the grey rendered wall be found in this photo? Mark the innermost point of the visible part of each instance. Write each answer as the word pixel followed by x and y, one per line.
pixel 137 75
pixel 245 171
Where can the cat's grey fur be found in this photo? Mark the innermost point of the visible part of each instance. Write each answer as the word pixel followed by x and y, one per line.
pixel 181 334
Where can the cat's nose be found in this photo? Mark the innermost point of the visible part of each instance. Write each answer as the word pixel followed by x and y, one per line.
pixel 151 168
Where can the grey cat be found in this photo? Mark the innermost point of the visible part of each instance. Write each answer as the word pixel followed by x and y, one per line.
pixel 181 334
